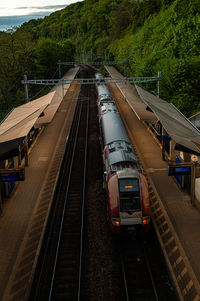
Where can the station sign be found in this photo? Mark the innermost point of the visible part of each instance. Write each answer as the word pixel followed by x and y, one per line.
pixel 12 174
pixel 177 170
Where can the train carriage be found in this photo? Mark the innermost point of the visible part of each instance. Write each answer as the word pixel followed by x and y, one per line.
pixel 127 188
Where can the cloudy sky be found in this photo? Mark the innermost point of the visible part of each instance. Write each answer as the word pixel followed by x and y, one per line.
pixel 25 7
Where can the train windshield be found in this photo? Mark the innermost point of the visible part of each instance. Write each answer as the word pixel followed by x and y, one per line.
pixel 129 191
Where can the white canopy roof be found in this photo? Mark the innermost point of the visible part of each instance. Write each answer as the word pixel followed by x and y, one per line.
pixel 21 119
pixel 19 122
pixel 178 127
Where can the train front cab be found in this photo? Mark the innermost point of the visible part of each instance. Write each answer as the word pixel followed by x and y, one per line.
pixel 128 203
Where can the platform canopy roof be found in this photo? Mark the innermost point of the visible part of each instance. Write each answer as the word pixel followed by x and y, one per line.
pixel 19 122
pixel 195 119
pixel 178 127
pixel 52 108
pixel 16 126
pixel 132 97
pixel 139 107
pixel 21 119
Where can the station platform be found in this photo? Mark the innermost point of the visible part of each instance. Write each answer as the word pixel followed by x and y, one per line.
pixel 24 214
pixel 175 219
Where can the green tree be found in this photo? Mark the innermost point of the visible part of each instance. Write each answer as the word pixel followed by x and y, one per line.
pixel 48 52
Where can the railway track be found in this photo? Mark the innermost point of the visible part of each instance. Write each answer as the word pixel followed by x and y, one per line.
pixel 139 283
pixel 66 280
pixel 59 269
pixel 143 270
pixel 87 267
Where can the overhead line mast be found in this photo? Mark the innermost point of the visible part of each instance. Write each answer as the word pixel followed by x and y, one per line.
pixel 88 81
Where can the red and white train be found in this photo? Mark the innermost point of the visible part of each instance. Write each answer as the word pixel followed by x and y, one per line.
pixel 127 188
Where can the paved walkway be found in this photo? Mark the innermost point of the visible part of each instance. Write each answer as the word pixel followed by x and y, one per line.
pixel 185 219
pixel 18 209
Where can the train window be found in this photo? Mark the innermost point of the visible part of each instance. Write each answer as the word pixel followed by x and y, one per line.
pixel 129 185
pixel 130 204
pixel 129 195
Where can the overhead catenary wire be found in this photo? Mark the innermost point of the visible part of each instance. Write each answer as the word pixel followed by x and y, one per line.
pixel 43 88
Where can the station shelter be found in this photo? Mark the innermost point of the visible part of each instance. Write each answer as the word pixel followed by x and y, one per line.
pixel 18 131
pixel 178 135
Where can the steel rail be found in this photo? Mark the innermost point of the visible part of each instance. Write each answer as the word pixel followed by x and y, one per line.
pixel 83 205
pixel 150 273
pixel 124 276
pixel 64 208
pixel 126 271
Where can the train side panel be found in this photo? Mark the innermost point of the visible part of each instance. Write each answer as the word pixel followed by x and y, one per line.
pixel 113 203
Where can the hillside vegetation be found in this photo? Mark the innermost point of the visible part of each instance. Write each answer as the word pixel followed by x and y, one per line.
pixel 151 35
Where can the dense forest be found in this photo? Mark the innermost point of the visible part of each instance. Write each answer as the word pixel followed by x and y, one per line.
pixel 151 35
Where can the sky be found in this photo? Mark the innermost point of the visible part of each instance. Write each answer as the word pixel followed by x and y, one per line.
pixel 25 7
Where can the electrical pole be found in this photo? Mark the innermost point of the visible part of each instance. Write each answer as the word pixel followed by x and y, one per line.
pixel 62 91
pixel 91 54
pixel 192 187
pixel 159 79
pixel 26 89
pixel 59 68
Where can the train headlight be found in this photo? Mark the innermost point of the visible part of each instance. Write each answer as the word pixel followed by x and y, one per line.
pixel 116 222
pixel 145 220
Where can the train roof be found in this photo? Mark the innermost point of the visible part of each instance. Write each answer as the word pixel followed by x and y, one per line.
pixel 121 152
pixel 121 157
pixel 103 92
pixel 113 127
pixel 119 148
pixel 128 173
